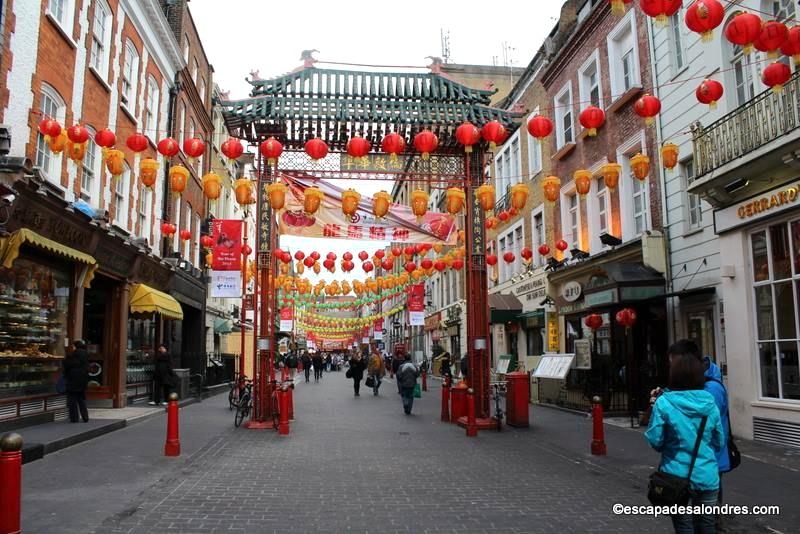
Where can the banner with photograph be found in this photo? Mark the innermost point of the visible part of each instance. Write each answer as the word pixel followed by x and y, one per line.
pixel 416 305
pixel 227 248
pixel 399 225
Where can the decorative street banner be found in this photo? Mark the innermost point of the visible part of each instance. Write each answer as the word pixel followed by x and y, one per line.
pixel 226 284
pixel 378 330
pixel 287 321
pixel 399 225
pixel 416 305
pixel 227 250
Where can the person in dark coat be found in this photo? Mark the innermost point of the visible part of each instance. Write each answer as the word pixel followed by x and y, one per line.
pixel 76 378
pixel 356 371
pixel 306 361
pixel 446 370
pixel 163 377
pixel 407 376
pixel 317 361
pixel 464 366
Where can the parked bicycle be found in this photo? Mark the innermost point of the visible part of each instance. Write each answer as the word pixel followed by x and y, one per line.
pixel 498 390
pixel 245 403
pixel 237 388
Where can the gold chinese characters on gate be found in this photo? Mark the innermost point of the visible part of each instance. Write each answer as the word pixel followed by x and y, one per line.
pixel 763 204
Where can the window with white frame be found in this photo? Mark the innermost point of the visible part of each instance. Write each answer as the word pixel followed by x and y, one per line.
pixel 50 105
pixel 782 10
pixel 623 56
pixel 776 286
pixel 600 213
pixel 176 220
pixel 196 237
pixel 101 38
pixel 195 71
pixel 143 211
pixel 539 236
pixel 130 72
pixel 511 241
pixel 563 113
pixel 534 151
pixel 694 209
pixel 186 48
pixel 63 12
pixel 571 219
pixel 634 194
pixel 89 168
pixel 677 41
pixel 507 166
pixel 743 74
pixel 201 89
pixel 121 185
pixel 591 92
pixel 187 221
pixel 182 124
pixel 151 109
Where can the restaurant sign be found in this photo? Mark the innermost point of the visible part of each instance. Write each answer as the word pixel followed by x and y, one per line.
pixel 756 208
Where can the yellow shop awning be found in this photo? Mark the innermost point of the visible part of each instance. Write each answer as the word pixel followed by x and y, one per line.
pixel 9 251
pixel 145 299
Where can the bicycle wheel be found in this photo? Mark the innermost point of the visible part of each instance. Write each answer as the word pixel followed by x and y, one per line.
pixel 275 412
pixel 231 400
pixel 242 410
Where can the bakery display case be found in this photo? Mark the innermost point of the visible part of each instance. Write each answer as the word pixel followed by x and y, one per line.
pixel 33 306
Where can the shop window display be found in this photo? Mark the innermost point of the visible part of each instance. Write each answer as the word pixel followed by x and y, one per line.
pixel 140 350
pixel 34 299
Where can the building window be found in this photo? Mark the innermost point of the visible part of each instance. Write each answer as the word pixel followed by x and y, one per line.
pixel 742 67
pixel 783 10
pixel 507 165
pixel 511 241
pixel 176 220
pixel 539 236
pixel 144 205
pixel 51 105
pixel 196 238
pixel 534 152
pixel 182 124
pixel 634 195
pixel 195 71
pixel 589 82
pixel 121 197
pixel 676 38
pixel 186 48
pixel 62 12
pixel 623 56
pixel 694 210
pixel 187 221
pixel 776 285
pixel 201 89
pixel 130 71
pixel 151 109
pixel 101 36
pixel 89 169
pixel 563 105
pixel 573 220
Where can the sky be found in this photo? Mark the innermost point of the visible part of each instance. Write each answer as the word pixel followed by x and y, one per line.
pixel 240 36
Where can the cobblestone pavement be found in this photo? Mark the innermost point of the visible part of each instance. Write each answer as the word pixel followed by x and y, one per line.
pixel 358 464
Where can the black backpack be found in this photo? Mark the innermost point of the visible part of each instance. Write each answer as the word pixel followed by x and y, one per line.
pixel 734 456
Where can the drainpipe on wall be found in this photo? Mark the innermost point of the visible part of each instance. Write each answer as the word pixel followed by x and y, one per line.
pixel 173 98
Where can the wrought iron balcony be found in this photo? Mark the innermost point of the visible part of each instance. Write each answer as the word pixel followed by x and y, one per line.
pixel 504 203
pixel 753 143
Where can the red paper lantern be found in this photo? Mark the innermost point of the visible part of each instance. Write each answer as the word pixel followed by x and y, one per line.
pixel 232 148
pixel 347 265
pixel 647 107
pixel 77 134
pixel 439 265
pixel 308 261
pixel 776 75
pixel 167 228
pixel 491 259
pixel 380 253
pixel 791 47
pixel 314 255
pixel 299 255
pixel 347 256
pixel 509 257
pixel 168 147
pixel 387 264
pixel 363 255
pixel 330 256
pixel 49 127
pixel 367 266
pixel 709 92
pixel 772 36
pixel 660 10
pixel 593 321
pixel 285 258
pixel 105 138
pixel 271 149
pixel 194 147
pixel 592 118
pixel 468 135
pixel 329 264
pixel 562 245
pixel 137 142
pixel 207 241
pixel 393 144
pixel 397 251
pixel 540 127
pixel 526 253
pixel 426 264
pixel 494 133
pixel 743 30
pixel 544 250
pixel 426 142
pixel 246 250
pixel 703 16
pixel 458 263
pixel 185 235
pixel 410 267
pixel 626 317
pixel 503 216
pixel 316 148
pixel 409 250
pixel 358 147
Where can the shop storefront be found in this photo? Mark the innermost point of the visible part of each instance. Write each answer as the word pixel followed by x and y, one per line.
pixel 505 331
pixel 619 364
pixel 532 293
pixel 760 251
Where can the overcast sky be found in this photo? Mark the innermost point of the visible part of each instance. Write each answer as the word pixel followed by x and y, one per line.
pixel 240 36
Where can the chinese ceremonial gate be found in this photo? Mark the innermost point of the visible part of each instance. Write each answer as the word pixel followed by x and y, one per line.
pixel 334 105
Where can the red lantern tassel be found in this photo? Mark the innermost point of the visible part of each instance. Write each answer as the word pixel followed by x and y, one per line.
pixel 592 132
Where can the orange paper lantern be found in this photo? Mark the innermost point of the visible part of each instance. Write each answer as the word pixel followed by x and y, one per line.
pixel 312 198
pixel 178 178
pixel 455 200
pixel 276 192
pixel 519 196
pixel 148 172
pixel 75 151
pixel 583 182
pixel 212 186
pixel 58 143
pixel 419 203
pixel 640 165
pixel 669 155
pixel 115 162
pixel 551 187
pixel 610 172
pixel 243 190
pixel 381 201
pixel 485 195
pixel 350 200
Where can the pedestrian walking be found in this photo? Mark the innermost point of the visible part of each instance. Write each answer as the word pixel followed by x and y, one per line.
pixel 328 362
pixel 291 363
pixel 356 372
pixel 376 371
pixel 306 361
pixel 445 369
pixel 164 377
pixel 685 427
pixel 464 366
pixel 407 375
pixel 317 361
pixel 76 379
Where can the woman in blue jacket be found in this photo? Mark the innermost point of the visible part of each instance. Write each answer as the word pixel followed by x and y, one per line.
pixel 674 424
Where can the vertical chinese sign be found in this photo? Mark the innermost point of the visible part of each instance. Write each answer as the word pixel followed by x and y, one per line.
pixel 226 268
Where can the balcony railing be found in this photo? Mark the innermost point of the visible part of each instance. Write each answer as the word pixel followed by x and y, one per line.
pixel 761 120
pixel 504 203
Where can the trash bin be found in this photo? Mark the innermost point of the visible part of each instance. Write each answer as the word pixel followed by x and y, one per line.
pixel 183 383
pixel 458 401
pixel 517 395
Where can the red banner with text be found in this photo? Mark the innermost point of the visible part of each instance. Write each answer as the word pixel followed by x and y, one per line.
pixel 227 250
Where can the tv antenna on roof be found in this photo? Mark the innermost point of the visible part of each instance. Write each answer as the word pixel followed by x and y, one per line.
pixel 445 36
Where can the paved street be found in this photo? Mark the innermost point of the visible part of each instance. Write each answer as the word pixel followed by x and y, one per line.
pixel 359 465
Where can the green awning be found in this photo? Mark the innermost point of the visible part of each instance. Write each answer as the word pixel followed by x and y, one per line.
pixel 223 326
pixel 503 308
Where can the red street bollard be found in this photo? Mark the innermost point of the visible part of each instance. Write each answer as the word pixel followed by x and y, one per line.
pixel 172 447
pixel 446 401
pixel 472 427
pixel 598 438
pixel 424 381
pixel 283 411
pixel 10 483
pixel 290 394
